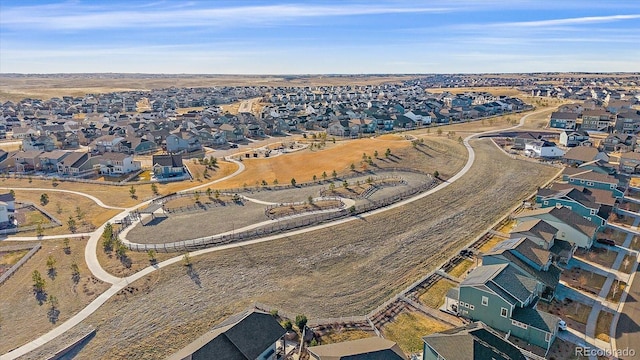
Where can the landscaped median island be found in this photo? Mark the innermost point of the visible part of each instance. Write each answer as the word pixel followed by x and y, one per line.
pixel 317 273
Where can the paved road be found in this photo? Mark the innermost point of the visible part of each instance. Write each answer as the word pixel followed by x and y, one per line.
pixel 628 330
pixel 120 283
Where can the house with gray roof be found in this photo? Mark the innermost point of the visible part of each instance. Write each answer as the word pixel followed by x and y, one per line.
pixel 246 336
pixel 475 341
pixel 528 258
pixel 373 348
pixel 572 227
pixel 592 179
pixel 504 297
pixel 167 165
pixel 575 200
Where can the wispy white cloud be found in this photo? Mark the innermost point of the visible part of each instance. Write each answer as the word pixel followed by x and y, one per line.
pixel 82 17
pixel 569 21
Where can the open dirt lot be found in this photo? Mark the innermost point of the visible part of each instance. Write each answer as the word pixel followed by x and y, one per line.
pixel 343 270
pixel 22 317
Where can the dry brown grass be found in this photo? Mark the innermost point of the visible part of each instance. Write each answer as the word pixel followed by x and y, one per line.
pixel 23 319
pixel 118 195
pixel 436 154
pixel 63 205
pixel 493 241
pixel 616 290
pixel 345 335
pixel 627 263
pixel 602 256
pixel 408 328
pixel 286 210
pixel 462 268
pixel 583 280
pixel 574 313
pixel 603 325
pixel 344 270
pixel 134 261
pixel 434 296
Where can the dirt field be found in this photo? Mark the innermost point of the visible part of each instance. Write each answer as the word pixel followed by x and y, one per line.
pixel 343 270
pixel 22 318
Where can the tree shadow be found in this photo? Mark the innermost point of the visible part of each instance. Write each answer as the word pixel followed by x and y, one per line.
pixel 53 315
pixel 194 275
pixel 126 261
pixel 67 250
pixel 52 273
pixel 75 277
pixel 41 296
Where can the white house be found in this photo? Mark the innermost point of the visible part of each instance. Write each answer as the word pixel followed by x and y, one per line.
pixel 419 117
pixel 117 164
pixel 542 149
pixel 7 207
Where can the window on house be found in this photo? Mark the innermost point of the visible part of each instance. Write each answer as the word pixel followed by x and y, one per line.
pixel 485 301
pixel 503 312
pixel 546 202
pixel 593 211
pixel 589 183
pixel 612 186
pixel 471 307
pixel 547 337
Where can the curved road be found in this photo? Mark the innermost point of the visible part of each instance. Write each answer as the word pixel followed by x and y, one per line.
pixel 120 283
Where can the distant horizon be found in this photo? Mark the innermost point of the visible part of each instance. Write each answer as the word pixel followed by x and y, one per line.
pixel 337 74
pixel 277 37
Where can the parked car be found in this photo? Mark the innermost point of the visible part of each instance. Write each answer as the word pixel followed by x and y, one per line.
pixel 466 252
pixel 606 241
pixel 562 325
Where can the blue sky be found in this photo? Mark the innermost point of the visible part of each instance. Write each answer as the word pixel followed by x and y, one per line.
pixel 319 37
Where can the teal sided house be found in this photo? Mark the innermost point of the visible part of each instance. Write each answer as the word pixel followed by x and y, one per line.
pixel 575 200
pixel 167 165
pixel 572 227
pixel 529 259
pixel 563 120
pixel 505 299
pixel 593 180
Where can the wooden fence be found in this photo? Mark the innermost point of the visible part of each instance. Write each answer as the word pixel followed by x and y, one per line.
pixel 20 262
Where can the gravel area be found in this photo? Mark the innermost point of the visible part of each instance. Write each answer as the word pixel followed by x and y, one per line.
pixel 343 270
pixel 195 224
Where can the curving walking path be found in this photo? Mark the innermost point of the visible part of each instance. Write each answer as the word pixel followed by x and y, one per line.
pixel 120 283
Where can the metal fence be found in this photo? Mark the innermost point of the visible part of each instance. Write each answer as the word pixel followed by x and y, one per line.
pixel 281 225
